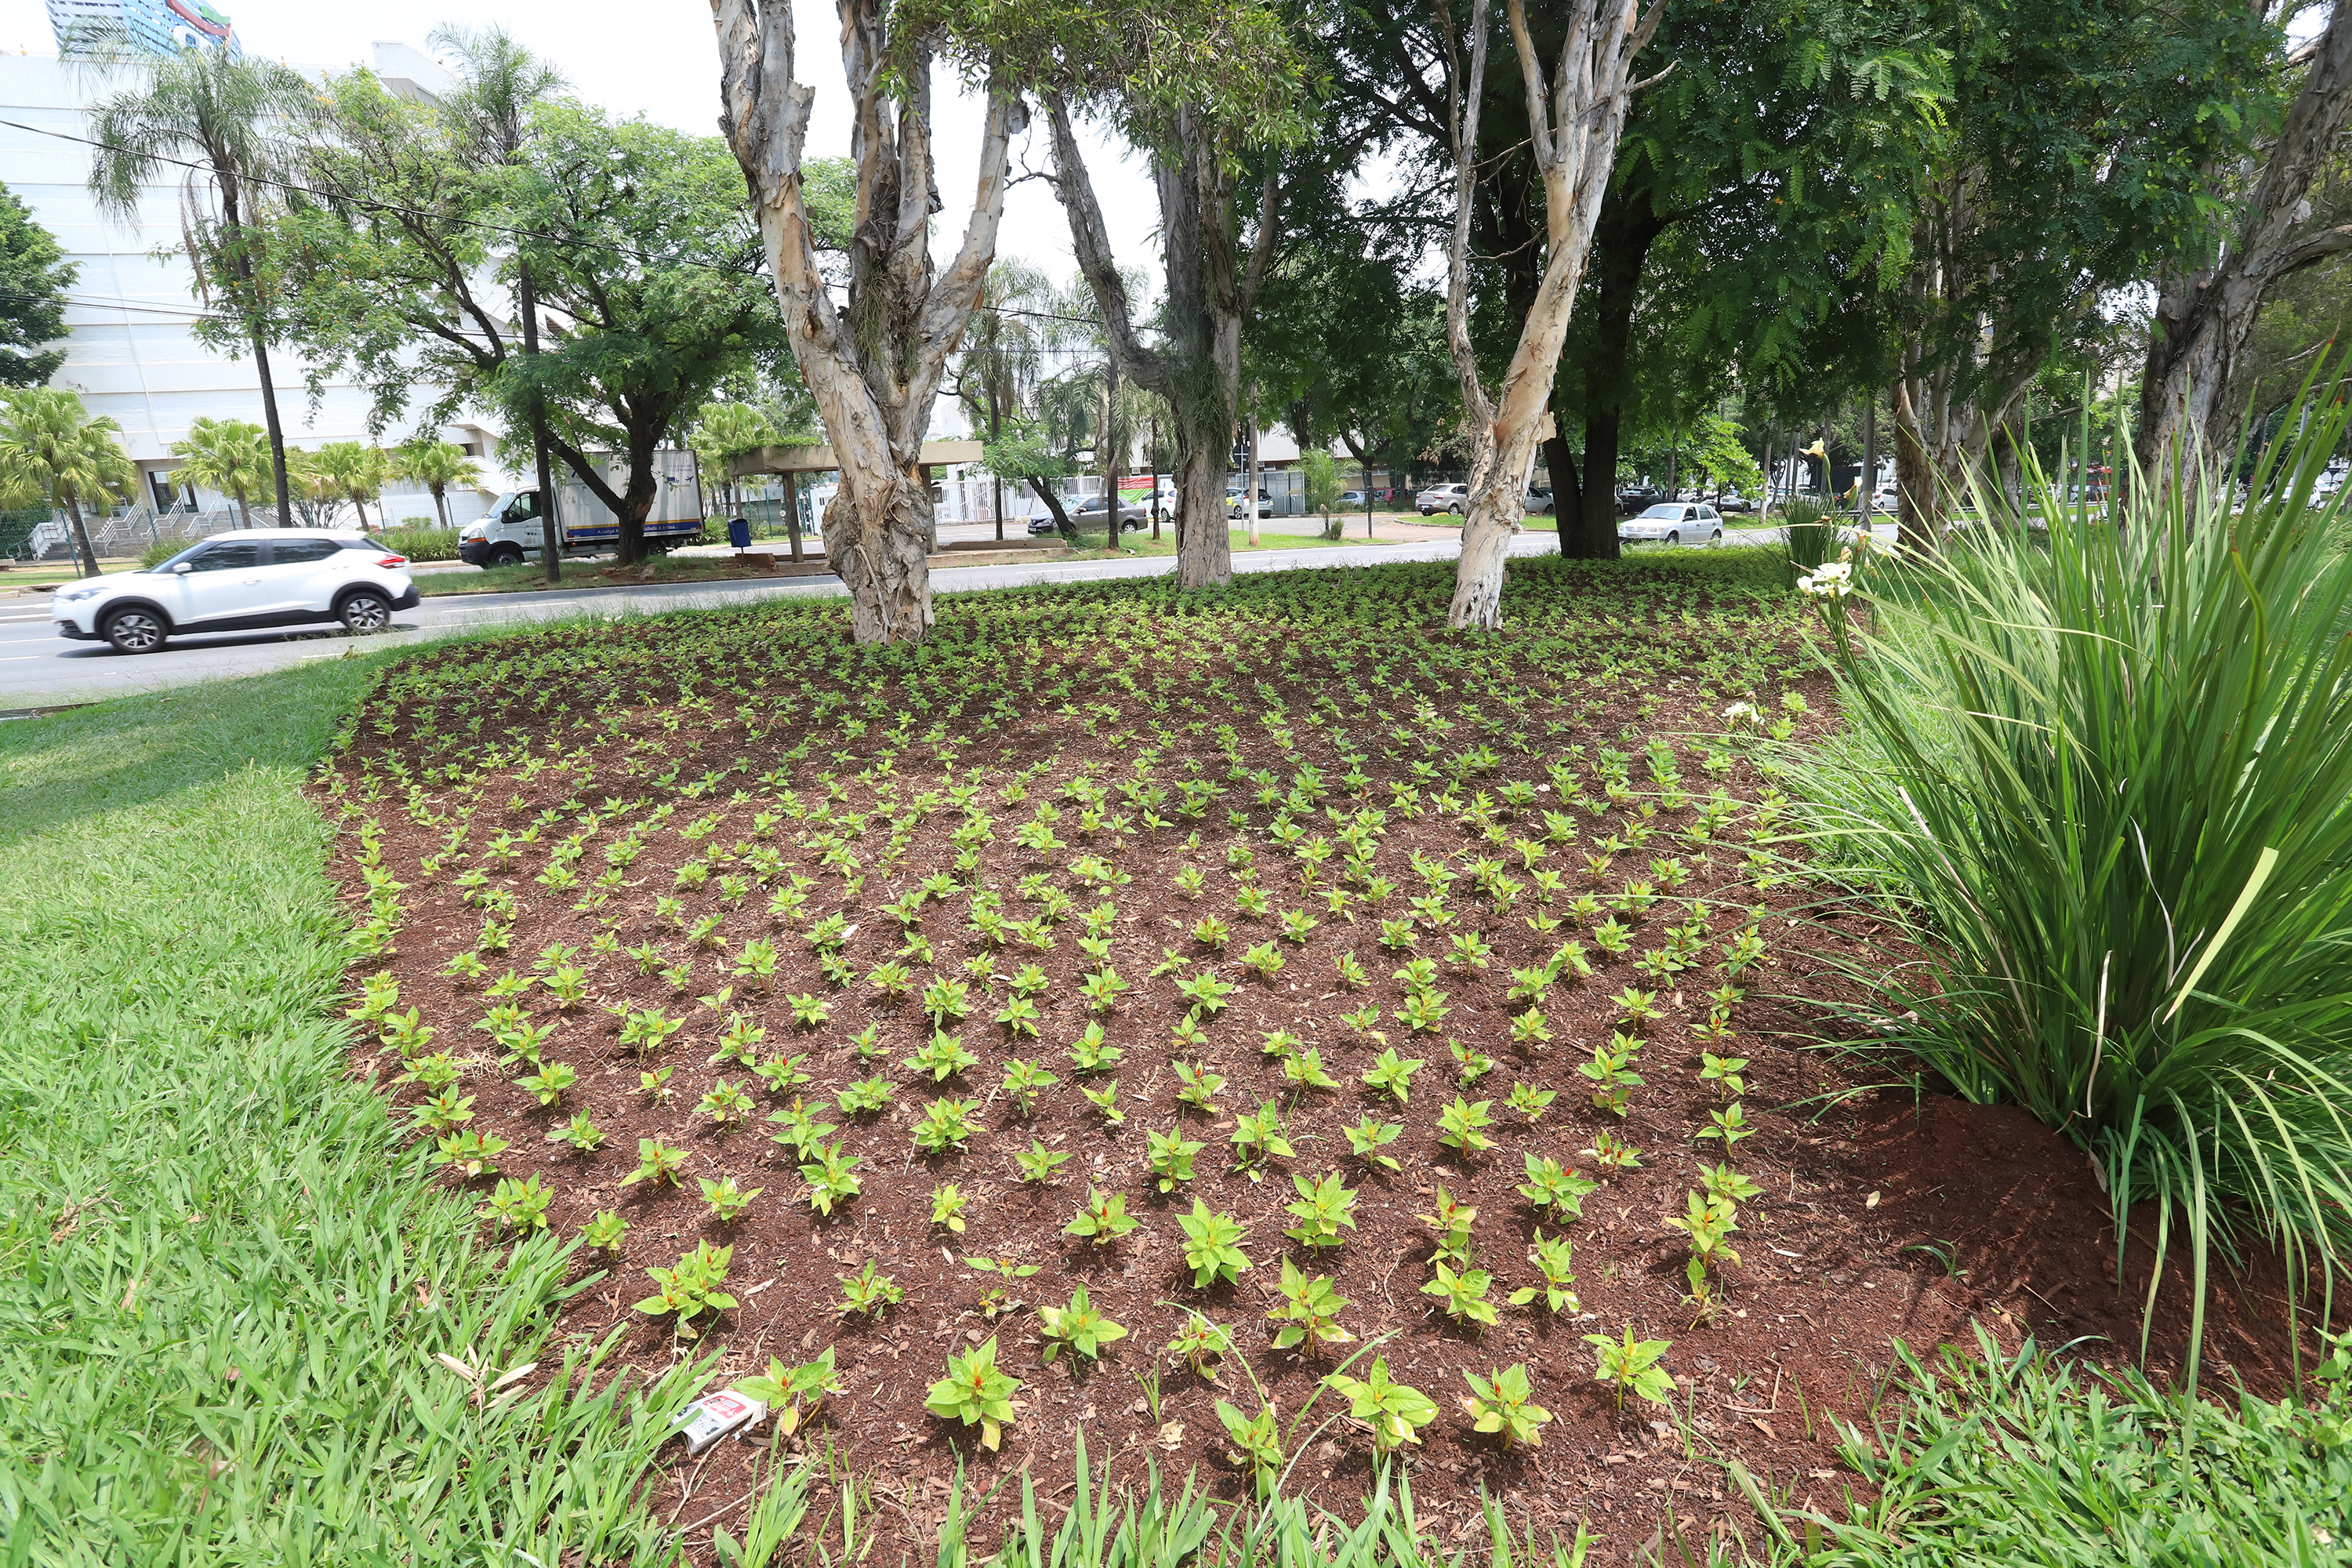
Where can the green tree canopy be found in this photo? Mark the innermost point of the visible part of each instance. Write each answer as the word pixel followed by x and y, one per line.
pixel 34 278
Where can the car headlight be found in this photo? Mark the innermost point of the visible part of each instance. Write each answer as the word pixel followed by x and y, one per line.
pixel 74 596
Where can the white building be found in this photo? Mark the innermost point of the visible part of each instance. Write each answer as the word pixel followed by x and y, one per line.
pixel 130 352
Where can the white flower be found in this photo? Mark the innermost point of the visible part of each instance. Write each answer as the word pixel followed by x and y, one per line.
pixel 1744 713
pixel 1831 581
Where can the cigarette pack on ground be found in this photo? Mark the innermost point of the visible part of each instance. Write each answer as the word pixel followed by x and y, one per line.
pixel 714 1415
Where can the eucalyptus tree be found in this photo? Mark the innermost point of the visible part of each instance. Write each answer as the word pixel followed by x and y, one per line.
pixel 876 361
pixel 230 456
pixel 489 121
pixel 52 450
pixel 1576 109
pixel 2211 297
pixel 223 125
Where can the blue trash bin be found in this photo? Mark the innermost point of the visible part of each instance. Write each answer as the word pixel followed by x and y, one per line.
pixel 738 533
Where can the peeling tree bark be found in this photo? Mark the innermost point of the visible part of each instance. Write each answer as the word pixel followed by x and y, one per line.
pixel 2205 317
pixel 875 366
pixel 1575 115
pixel 1209 291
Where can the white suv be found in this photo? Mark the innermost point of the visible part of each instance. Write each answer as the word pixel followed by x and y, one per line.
pixel 238 580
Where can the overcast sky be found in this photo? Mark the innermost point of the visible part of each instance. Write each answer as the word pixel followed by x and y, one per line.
pixel 661 61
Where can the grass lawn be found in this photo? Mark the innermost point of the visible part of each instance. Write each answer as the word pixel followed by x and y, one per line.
pixel 35 574
pixel 223 1277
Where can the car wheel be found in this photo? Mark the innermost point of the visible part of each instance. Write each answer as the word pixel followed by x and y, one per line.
pixel 1715 538
pixel 365 612
pixel 507 555
pixel 1674 538
pixel 134 630
pixel 1456 509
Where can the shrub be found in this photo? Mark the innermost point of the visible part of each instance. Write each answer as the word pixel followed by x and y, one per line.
pixel 422 543
pixel 2107 781
pixel 1807 535
pixel 159 550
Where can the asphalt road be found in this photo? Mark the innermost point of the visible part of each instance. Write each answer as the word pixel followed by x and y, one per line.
pixel 40 669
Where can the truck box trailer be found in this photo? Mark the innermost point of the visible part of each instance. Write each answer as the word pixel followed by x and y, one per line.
pixel 509 532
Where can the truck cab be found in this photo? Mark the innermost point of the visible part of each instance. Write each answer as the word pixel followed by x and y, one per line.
pixel 504 535
pixel 511 531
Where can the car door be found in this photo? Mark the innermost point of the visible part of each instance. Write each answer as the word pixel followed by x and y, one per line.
pixel 224 583
pixel 300 579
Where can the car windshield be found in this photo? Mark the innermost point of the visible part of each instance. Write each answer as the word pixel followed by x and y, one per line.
pixel 187 554
pixel 1665 513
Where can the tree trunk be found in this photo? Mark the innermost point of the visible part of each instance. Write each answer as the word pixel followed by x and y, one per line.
pixel 874 367
pixel 1199 371
pixel 792 512
pixel 1575 115
pixel 2204 319
pixel 441 503
pixel 1062 524
pixel 89 564
pixel 1250 487
pixel 1596 522
pixel 551 532
pixel 244 518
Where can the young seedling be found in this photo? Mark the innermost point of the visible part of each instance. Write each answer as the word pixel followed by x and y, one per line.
pixel 1304 1070
pixel 1309 1311
pixel 1077 1326
pixel 866 1096
pixel 656 1163
pixel 1102 989
pixel 1530 1101
pixel 974 1393
pixel 1106 1099
pixel 1169 1157
pixel 1613 1079
pixel 945 1125
pixel 522 1205
pixel 1352 972
pixel 1462 1294
pixel 1613 1154
pixel 1212 1246
pixel 1449 1223
pixel 1504 1403
pixel 726 1104
pixel 867 1291
pixel 690 1288
pixel 1392 1075
pixel 1103 1219
pixel 1394 1412
pixel 1461 1125
pixel 1470 1063
pixel 1552 1256
pixel 942 1056
pixel 583 1135
pixel 1257 1443
pixel 794 1393
pixel 604 1232
pixel 727 1200
pixel 784 1074
pixel 1200 1087
pixel 1723 1182
pixel 802 1130
pixel 1724 1073
pixel 1324 1205
pixel 1259 1137
pixel 1366 1138
pixel 1548 1186
pixel 1198 1342
pixel 831 1177
pixel 1730 1125
pixel 1631 1367
pixel 1092 1052
pixel 1038 1164
pixel 548 1084
pixel 948 1207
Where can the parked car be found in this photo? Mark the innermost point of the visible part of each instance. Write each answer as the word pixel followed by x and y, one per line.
pixel 1737 503
pixel 1635 498
pixel 1233 503
pixel 238 580
pixel 1455 498
pixel 1351 498
pixel 1088 513
pixel 1675 522
pixel 1537 500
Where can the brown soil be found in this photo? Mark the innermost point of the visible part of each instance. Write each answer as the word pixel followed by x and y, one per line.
pixel 1839 1253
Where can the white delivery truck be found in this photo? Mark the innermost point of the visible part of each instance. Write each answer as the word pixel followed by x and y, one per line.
pixel 509 532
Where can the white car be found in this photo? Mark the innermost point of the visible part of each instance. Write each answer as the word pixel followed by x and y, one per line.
pixel 1674 522
pixel 1455 498
pixel 250 578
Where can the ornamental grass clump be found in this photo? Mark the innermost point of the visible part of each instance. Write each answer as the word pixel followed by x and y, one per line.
pixel 2107 779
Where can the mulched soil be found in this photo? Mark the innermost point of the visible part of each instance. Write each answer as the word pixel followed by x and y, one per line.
pixel 1889 1218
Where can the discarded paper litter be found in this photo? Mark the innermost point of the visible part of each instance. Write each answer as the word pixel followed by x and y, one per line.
pixel 714 1415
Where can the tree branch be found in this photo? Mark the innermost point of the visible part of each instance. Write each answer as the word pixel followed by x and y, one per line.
pixel 1090 239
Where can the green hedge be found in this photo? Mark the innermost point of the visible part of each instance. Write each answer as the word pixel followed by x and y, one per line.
pixel 423 543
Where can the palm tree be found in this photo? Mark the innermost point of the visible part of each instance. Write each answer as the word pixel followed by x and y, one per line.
pixel 724 430
pixel 231 456
pixel 218 119
pixel 356 472
pixel 317 494
pixel 436 465
pixel 51 449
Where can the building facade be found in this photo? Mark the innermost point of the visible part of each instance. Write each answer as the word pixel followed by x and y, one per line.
pixel 131 352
